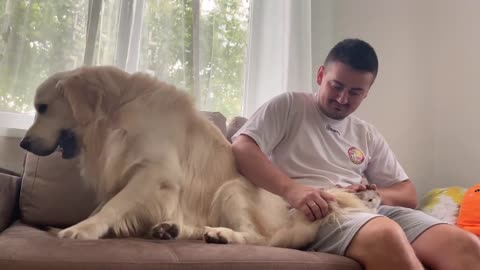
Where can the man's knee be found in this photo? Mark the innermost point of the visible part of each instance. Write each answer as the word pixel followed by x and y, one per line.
pixel 377 233
pixel 377 240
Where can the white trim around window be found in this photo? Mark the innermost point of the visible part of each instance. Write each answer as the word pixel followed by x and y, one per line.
pixel 14 124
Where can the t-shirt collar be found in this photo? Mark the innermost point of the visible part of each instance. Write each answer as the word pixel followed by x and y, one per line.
pixel 334 125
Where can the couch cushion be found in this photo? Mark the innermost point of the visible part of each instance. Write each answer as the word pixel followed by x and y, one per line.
pixel 234 126
pixel 9 188
pixel 24 247
pixel 218 119
pixel 53 192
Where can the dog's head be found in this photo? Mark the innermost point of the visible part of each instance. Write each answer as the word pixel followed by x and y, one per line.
pixel 64 102
pixel 67 102
pixel 54 121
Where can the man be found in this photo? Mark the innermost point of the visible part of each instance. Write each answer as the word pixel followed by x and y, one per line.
pixel 298 143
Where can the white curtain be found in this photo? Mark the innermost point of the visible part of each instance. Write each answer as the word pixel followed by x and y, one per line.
pixel 279 55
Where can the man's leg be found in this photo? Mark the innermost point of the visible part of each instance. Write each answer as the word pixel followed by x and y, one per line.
pixel 382 244
pixel 438 245
pixel 374 241
pixel 448 247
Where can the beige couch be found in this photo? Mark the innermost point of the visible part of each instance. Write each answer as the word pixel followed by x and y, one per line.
pixel 50 193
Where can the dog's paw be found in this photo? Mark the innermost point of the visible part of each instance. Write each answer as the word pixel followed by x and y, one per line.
pixel 222 235
pixel 165 231
pixel 215 238
pixel 83 231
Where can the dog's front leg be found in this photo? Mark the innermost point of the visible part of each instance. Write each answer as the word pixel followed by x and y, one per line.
pixel 89 229
pixel 123 212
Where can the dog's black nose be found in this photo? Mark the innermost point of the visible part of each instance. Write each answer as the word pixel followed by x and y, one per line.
pixel 25 143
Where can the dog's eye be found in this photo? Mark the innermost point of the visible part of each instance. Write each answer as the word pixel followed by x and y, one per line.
pixel 42 108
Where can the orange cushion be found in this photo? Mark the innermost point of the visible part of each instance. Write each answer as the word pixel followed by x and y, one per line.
pixel 469 215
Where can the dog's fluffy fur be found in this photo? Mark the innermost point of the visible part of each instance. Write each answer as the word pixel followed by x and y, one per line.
pixel 158 167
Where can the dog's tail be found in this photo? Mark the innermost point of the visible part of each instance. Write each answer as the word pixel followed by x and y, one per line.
pixel 302 231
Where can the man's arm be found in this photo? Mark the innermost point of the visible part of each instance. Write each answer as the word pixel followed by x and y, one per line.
pixel 399 194
pixel 255 166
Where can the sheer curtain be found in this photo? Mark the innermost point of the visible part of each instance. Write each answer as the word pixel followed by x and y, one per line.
pixel 279 56
pixel 198 45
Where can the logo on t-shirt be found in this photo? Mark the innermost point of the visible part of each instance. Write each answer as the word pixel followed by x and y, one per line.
pixel 330 128
pixel 356 155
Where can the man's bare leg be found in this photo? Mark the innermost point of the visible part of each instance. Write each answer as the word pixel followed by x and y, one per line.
pixel 381 244
pixel 448 247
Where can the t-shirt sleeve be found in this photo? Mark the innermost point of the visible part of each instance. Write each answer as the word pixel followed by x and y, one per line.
pixel 267 126
pixel 383 168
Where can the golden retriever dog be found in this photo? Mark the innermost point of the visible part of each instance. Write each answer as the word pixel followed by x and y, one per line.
pixel 159 168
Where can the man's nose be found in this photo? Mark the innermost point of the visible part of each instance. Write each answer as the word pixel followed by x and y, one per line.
pixel 342 97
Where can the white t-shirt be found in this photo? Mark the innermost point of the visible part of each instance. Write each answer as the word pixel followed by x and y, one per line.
pixel 319 151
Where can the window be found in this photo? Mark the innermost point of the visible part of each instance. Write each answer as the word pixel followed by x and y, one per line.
pixel 38 38
pixel 198 45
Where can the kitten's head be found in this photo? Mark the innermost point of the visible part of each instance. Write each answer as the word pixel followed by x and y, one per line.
pixel 371 198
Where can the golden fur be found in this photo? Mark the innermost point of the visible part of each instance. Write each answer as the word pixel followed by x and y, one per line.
pixel 159 167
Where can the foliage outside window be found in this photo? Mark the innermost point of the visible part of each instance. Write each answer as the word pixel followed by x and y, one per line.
pixel 198 45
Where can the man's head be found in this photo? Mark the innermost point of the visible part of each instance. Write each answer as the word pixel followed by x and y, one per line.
pixel 345 77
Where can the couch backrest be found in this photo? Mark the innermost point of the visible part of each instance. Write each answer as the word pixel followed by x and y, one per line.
pixel 53 193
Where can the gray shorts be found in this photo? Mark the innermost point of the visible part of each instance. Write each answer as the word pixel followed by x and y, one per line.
pixel 335 238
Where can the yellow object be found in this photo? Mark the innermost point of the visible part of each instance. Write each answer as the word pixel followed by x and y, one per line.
pixel 443 203
pixel 469 215
pixel 432 197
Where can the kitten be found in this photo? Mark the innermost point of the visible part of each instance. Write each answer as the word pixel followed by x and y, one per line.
pixel 370 197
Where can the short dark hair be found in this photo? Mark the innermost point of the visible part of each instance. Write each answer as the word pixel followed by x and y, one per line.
pixel 355 53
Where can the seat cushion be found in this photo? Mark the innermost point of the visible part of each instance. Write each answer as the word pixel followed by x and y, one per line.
pixel 25 247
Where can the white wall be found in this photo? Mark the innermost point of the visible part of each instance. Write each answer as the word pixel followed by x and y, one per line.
pixel 424 99
pixel 456 91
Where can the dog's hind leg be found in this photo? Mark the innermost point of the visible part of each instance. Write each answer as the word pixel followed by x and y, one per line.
pixel 171 230
pixel 118 214
pixel 232 216
pixel 224 235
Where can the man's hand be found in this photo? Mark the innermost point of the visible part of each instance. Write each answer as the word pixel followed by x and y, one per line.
pixel 360 187
pixel 312 202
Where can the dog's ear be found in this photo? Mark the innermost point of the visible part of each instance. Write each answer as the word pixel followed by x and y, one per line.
pixel 84 98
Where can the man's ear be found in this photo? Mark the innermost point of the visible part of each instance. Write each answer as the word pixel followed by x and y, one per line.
pixel 83 97
pixel 320 74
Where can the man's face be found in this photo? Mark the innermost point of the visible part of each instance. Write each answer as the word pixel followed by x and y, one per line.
pixel 342 89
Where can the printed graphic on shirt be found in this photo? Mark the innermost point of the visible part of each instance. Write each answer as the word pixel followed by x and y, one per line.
pixel 356 155
pixel 330 128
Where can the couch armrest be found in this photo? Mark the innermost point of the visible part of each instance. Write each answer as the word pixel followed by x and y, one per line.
pixel 9 192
